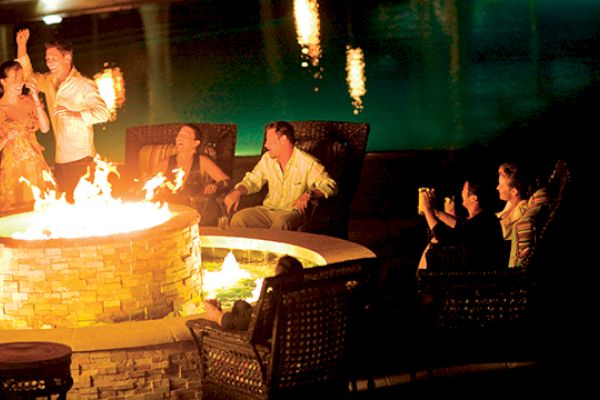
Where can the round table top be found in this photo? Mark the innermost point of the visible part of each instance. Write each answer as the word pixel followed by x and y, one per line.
pixel 14 355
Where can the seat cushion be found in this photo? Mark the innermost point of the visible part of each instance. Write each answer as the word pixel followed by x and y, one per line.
pixel 151 154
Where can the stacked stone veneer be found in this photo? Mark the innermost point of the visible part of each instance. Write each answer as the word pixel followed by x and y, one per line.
pixel 79 282
pixel 168 371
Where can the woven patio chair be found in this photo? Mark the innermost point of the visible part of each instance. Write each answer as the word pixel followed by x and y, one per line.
pixel 300 339
pixel 145 145
pixel 487 316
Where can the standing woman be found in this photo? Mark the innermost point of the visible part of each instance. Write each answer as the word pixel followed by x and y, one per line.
pixel 20 153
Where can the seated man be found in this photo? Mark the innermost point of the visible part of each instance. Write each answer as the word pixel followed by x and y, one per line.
pixel 479 236
pixel 293 176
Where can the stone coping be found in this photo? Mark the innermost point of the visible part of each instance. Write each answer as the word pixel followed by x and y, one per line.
pixel 123 335
pixel 134 334
pixel 318 248
pixel 181 217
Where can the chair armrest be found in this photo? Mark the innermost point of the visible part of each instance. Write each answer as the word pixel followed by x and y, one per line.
pixel 326 216
pixel 231 364
pixel 203 327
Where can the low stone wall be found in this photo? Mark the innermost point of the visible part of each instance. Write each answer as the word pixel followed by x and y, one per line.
pixel 167 371
pixel 157 359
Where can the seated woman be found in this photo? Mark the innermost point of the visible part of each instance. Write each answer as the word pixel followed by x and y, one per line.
pixel 203 181
pixel 479 236
pixel 239 316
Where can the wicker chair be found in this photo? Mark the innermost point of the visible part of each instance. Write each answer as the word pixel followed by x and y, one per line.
pixel 147 144
pixel 490 316
pixel 299 340
pixel 340 146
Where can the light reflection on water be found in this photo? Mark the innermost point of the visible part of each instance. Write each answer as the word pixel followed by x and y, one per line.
pixel 258 264
pixel 439 74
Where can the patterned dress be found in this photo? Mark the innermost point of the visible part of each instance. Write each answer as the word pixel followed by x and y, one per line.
pixel 20 157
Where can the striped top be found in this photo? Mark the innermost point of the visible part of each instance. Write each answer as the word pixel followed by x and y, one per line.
pixel 74 135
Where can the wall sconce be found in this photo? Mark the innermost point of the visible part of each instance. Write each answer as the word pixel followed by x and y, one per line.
pixel 111 86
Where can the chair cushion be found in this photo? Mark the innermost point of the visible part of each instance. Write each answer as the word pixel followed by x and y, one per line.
pixel 151 154
pixel 524 234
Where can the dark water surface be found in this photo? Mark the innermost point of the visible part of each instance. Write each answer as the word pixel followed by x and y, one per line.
pixel 439 74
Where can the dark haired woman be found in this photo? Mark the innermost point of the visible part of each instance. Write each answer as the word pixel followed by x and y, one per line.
pixel 203 179
pixel 21 154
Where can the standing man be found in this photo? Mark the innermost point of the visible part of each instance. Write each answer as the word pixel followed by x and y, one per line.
pixel 293 176
pixel 74 105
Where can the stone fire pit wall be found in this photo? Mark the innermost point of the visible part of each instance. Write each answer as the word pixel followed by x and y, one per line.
pixel 67 283
pixel 157 359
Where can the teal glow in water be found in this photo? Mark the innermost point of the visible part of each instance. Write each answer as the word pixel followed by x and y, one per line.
pixel 440 74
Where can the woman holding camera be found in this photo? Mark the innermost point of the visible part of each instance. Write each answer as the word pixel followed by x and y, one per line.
pixel 20 153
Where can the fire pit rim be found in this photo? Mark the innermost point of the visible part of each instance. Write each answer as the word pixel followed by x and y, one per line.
pixel 181 217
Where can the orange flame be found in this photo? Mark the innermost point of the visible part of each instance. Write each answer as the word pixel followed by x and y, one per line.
pixel 160 181
pixel 94 211
pixel 111 86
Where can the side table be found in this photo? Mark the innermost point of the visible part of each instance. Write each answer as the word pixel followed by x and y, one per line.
pixel 32 369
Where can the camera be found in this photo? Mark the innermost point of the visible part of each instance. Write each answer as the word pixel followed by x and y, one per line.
pixel 421 205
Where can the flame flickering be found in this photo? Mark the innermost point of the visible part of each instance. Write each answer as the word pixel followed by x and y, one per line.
pixel 308 27
pixel 355 68
pixel 111 86
pixel 94 211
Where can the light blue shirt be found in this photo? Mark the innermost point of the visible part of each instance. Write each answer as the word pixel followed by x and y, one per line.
pixel 303 172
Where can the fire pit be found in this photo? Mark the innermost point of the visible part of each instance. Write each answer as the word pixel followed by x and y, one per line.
pixel 140 275
pixel 154 357
pixel 68 283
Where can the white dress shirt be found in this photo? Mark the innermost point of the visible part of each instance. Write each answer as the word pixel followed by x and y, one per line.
pixel 74 136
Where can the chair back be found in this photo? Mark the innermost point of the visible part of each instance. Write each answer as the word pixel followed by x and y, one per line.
pixel 340 146
pixel 542 229
pixel 308 321
pixel 146 145
pixel 260 329
pixel 495 315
